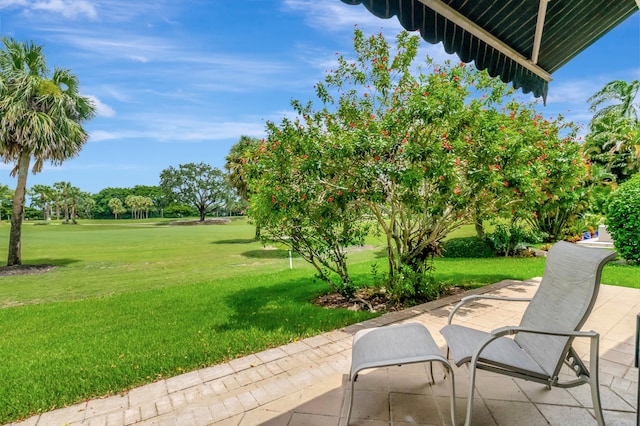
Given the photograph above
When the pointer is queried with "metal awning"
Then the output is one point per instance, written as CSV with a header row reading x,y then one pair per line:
x,y
521,41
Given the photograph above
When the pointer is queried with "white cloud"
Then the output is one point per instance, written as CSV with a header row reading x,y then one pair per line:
x,y
102,135
6,4
67,8
573,92
103,10
102,109
120,45
570,99
170,129
116,93
337,16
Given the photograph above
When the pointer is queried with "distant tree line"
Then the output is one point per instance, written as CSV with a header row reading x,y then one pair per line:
x,y
191,190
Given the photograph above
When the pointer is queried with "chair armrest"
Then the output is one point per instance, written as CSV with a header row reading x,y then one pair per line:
x,y
511,330
593,336
474,297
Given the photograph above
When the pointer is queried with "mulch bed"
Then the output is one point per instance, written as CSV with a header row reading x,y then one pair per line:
x,y
369,300
198,222
25,269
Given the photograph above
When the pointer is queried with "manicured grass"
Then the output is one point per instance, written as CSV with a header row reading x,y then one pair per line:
x,y
135,302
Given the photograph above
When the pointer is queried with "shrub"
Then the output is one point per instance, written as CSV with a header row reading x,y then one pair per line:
x,y
623,219
472,247
411,287
509,239
32,214
177,210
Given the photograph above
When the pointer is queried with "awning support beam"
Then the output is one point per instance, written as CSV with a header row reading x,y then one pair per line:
x,y
469,26
537,39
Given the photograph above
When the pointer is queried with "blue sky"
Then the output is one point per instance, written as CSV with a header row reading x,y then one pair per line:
x,y
179,81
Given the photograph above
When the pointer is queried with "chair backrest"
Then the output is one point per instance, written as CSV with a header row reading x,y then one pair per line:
x,y
563,301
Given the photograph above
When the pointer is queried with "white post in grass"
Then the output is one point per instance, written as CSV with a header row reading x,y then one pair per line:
x,y
290,260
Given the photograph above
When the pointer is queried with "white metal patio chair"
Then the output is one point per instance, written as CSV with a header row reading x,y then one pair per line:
x,y
550,323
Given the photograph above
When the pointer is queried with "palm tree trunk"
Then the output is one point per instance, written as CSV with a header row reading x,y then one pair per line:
x,y
73,209
66,208
15,236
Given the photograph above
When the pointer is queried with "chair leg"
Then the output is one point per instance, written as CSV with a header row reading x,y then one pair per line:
x,y
353,383
594,380
445,369
452,398
472,386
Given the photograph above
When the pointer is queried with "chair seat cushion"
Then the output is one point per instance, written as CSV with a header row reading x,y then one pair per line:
x,y
503,352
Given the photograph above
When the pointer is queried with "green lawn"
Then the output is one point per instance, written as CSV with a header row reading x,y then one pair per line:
x,y
136,301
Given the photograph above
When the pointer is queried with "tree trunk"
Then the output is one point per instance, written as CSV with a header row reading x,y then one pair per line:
x,y
66,209
479,229
73,209
15,235
43,203
477,221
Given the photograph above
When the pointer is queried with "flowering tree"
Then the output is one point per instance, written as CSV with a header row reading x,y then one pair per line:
x,y
435,150
300,198
522,166
420,151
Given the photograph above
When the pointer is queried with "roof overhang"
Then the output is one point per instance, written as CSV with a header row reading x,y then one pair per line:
x,y
520,41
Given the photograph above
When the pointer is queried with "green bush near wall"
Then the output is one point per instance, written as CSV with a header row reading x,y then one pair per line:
x,y
467,247
623,219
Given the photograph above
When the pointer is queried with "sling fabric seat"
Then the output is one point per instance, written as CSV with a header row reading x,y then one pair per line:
x,y
537,349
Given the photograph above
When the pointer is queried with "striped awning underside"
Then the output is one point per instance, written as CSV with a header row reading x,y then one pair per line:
x,y
521,41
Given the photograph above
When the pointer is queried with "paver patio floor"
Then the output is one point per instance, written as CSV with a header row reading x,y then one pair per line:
x,y
305,383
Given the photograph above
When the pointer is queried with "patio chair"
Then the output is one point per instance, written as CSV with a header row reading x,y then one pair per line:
x,y
550,323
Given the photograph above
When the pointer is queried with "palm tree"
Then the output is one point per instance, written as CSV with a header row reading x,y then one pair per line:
x,y
74,193
620,95
63,189
614,132
236,164
43,195
115,204
41,116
